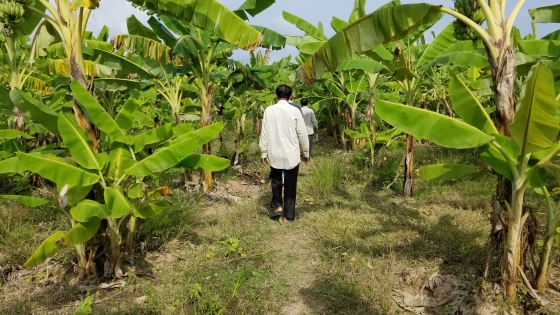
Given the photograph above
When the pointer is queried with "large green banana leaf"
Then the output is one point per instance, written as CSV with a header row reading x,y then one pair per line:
x,y
150,210
45,250
209,15
253,7
162,32
176,152
359,11
117,203
34,110
88,209
11,165
367,65
31,19
378,28
535,126
135,27
271,38
203,162
24,200
97,113
467,106
446,171
123,66
79,143
440,43
120,159
127,115
81,232
57,171
424,124
151,137
305,26
117,84
549,14
10,134
540,48
459,58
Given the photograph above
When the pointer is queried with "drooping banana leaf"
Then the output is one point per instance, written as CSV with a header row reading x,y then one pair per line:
x,y
378,28
549,14
209,15
435,127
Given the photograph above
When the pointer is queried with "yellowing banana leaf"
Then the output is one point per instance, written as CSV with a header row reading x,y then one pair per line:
x,y
203,162
467,106
79,143
446,171
535,126
9,134
88,209
549,14
424,124
45,250
120,159
143,46
127,114
175,153
57,171
81,232
117,203
24,200
97,113
209,15
378,28
35,110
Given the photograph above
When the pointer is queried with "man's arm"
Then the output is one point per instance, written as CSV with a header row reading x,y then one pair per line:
x,y
263,142
314,121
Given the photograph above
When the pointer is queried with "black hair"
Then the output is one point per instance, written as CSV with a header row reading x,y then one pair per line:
x,y
304,102
284,91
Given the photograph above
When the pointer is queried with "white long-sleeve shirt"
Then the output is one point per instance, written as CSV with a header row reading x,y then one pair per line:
x,y
283,134
310,120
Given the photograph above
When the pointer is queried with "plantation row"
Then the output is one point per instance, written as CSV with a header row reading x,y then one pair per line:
x,y
97,115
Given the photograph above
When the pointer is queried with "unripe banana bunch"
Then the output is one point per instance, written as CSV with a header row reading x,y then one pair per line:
x,y
470,9
12,12
25,2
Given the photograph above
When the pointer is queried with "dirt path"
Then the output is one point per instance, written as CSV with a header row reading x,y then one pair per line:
x,y
293,254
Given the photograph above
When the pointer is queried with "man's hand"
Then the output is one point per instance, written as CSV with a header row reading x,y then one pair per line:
x,y
264,161
306,160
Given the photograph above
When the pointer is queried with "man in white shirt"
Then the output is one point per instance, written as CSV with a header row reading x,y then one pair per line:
x,y
283,135
310,122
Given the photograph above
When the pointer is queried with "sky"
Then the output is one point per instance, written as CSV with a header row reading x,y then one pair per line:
x,y
314,11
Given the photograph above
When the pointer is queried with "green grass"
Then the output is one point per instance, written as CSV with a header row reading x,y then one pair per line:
x,y
344,255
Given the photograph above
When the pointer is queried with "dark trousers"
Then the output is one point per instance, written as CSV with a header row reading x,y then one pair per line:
x,y
290,189
310,144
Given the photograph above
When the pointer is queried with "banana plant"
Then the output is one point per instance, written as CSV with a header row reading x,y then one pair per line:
x,y
124,161
521,158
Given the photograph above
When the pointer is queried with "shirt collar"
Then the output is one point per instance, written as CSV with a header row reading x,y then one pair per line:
x,y
283,102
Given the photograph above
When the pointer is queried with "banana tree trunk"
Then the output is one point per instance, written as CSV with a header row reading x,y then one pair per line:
x,y
542,282
503,76
207,98
409,167
77,74
370,119
512,248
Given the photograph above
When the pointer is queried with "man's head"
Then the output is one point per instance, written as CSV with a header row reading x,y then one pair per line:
x,y
304,102
283,92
